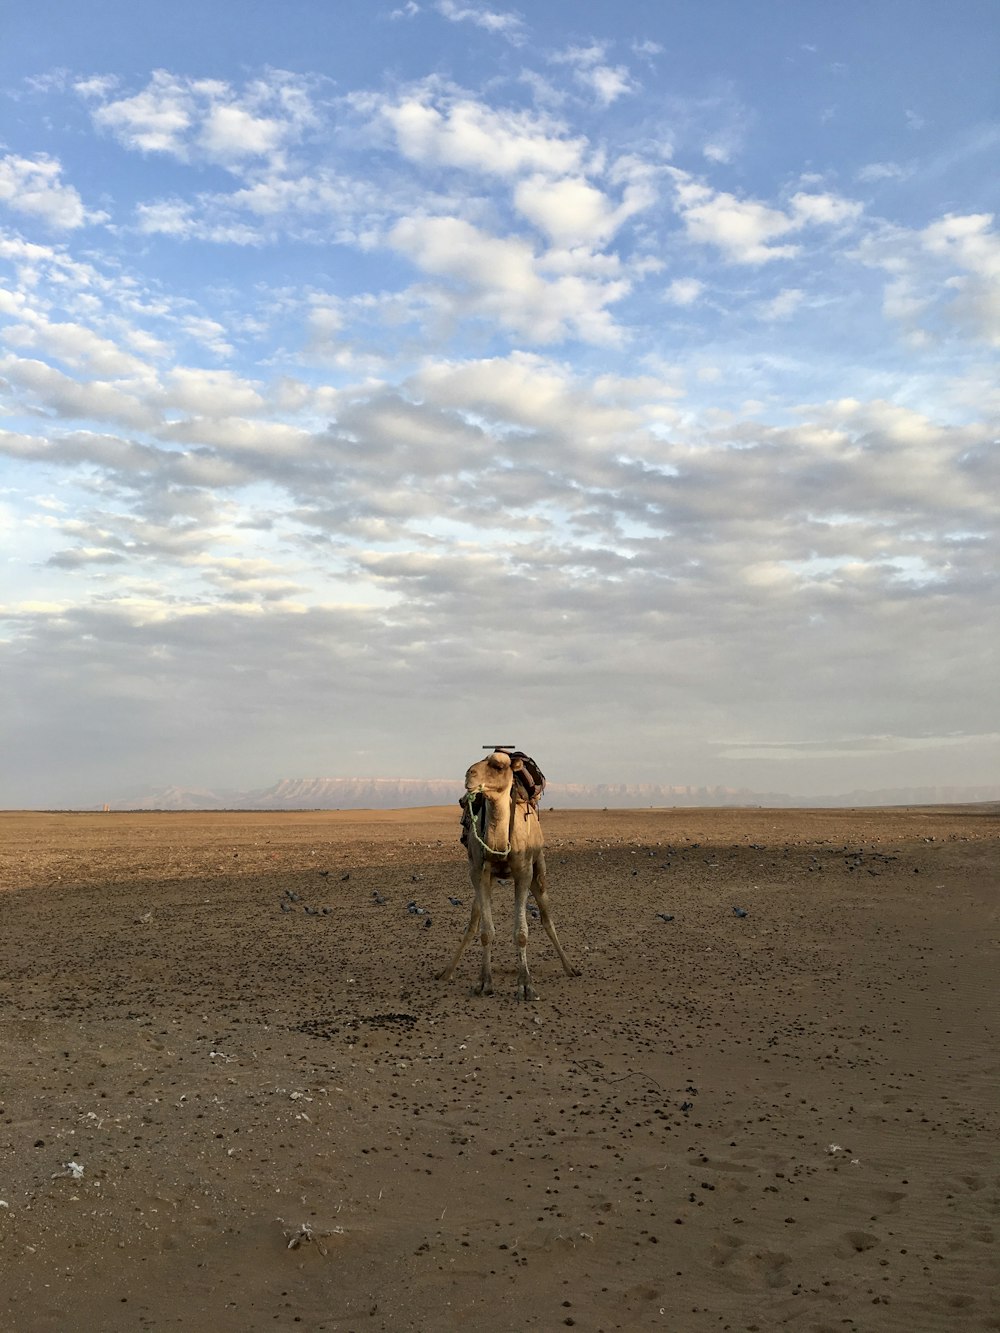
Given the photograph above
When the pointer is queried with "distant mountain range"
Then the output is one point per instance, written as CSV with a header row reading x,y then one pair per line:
x,y
401,793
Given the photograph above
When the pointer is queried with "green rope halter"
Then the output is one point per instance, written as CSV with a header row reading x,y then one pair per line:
x,y
490,851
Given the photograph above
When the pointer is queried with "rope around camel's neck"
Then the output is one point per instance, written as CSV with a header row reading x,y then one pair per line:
x,y
490,851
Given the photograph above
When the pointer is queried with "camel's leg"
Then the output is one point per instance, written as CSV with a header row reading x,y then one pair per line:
x,y
447,973
525,990
487,932
541,896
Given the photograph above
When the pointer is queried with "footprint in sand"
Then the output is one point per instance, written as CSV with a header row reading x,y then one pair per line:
x,y
766,1268
889,1200
760,1268
974,1183
645,1292
724,1249
857,1242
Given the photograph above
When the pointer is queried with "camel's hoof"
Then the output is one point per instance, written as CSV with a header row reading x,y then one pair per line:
x,y
575,972
527,993
483,988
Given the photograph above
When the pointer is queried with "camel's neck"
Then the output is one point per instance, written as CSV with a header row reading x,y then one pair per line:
x,y
498,819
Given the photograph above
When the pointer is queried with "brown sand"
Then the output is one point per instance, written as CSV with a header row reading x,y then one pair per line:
x,y
726,1123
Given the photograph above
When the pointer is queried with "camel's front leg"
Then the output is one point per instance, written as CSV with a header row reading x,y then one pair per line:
x,y
487,932
525,990
447,973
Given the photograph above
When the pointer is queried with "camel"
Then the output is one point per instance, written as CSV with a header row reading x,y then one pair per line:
x,y
505,842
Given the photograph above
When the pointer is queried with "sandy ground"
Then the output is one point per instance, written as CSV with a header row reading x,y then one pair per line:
x,y
219,1115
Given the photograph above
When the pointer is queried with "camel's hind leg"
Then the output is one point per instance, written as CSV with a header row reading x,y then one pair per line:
x,y
525,990
541,896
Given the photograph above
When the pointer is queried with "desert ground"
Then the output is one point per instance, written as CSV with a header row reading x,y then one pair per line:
x,y
225,1108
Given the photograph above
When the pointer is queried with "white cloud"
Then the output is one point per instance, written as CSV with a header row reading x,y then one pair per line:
x,y
244,580
33,186
216,219
742,229
209,332
207,120
464,133
271,441
571,211
230,133
77,346
12,303
502,22
501,278
717,151
167,217
98,85
883,171
95,400
943,279
276,206
781,306
605,82
745,231
530,393
828,210
608,82
212,393
969,241
155,120
684,291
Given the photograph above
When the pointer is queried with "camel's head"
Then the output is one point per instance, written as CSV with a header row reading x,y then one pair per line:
x,y
487,782
492,775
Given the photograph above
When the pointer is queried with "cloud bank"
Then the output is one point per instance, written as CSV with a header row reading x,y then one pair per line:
x,y
379,417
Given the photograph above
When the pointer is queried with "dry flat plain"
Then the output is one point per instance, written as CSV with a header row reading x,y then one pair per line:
x,y
216,1114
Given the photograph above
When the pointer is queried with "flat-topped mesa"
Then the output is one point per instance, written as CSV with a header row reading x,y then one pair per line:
x,y
503,835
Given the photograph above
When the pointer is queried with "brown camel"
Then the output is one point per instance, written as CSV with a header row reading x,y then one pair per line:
x,y
505,841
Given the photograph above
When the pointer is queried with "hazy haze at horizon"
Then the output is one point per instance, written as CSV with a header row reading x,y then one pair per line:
x,y
383,381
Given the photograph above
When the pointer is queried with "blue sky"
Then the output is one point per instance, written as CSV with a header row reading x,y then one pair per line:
x,y
379,378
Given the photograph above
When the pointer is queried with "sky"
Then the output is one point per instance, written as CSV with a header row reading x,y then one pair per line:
x,y
382,381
